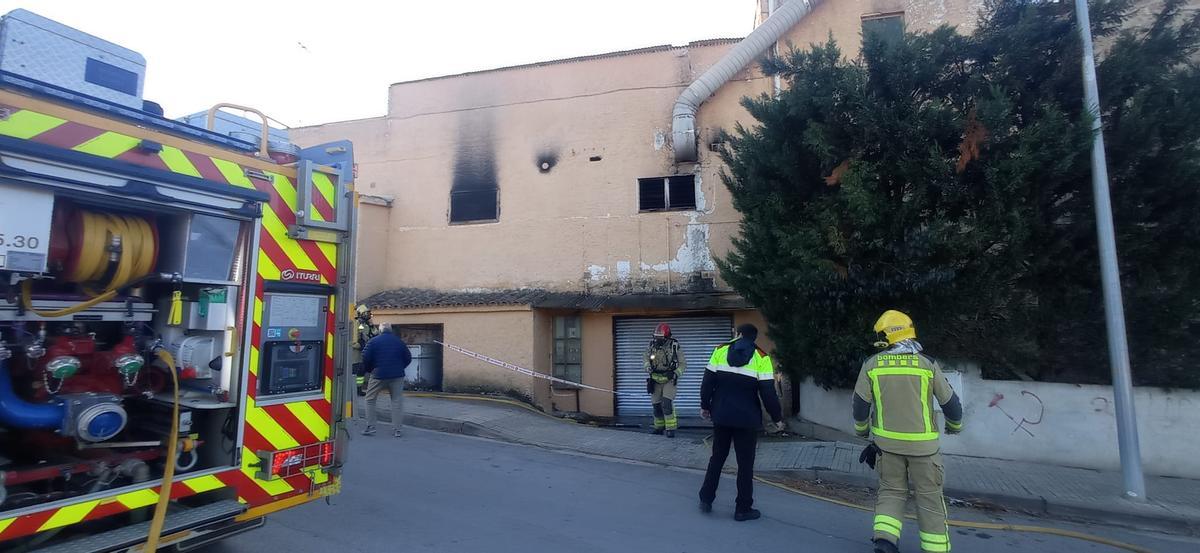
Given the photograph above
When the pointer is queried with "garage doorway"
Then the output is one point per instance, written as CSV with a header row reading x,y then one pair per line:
x,y
697,336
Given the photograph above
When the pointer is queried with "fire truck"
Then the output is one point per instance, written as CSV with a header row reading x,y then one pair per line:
x,y
175,307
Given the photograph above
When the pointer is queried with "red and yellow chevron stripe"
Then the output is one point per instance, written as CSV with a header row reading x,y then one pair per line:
x,y
91,510
267,428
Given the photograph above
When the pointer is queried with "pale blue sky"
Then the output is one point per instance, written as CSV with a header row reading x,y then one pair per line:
x,y
305,62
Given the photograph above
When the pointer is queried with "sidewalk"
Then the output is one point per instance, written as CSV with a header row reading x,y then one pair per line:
x,y
1040,489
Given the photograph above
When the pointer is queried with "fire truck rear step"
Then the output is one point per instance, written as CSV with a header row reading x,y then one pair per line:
x,y
134,534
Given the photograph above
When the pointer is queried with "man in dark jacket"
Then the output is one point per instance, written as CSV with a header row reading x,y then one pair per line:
x,y
385,358
739,382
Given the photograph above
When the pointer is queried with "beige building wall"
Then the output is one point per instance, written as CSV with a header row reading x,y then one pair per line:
x,y
843,19
543,360
581,217
371,258
506,334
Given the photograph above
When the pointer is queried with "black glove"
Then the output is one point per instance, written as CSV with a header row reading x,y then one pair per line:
x,y
650,386
869,455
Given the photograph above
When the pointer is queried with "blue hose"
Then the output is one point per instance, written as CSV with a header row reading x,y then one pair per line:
x,y
19,413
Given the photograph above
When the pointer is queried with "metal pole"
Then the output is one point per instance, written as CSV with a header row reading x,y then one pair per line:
x,y
1110,277
778,84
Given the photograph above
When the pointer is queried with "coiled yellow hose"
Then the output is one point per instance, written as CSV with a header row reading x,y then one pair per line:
x,y
100,232
132,239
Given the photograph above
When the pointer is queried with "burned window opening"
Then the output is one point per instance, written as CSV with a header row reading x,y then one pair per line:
x,y
475,190
470,206
889,27
673,193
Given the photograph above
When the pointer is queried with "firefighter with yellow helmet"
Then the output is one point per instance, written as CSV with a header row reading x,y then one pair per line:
x,y
893,402
665,363
363,332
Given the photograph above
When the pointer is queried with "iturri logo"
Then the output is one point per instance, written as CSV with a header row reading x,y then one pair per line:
x,y
296,275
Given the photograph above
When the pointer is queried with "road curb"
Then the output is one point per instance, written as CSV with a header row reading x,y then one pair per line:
x,y
448,426
1039,506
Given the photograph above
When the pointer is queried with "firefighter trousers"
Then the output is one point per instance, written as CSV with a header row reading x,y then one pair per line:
x,y
926,474
663,399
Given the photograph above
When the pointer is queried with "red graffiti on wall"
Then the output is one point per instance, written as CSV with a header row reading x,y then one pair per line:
x,y
1021,424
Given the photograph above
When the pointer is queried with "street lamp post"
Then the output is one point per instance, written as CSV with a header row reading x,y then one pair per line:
x,y
1110,277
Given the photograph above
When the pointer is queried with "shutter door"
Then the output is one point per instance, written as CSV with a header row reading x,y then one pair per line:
x,y
698,337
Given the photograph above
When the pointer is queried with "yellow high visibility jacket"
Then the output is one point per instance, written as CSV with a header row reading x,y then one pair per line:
x,y
894,400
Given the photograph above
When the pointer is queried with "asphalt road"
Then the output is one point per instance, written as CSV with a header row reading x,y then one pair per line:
x,y
445,493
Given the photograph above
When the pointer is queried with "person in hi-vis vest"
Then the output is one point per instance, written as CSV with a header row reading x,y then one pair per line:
x,y
893,403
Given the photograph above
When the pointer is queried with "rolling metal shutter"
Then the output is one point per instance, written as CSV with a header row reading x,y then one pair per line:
x,y
697,336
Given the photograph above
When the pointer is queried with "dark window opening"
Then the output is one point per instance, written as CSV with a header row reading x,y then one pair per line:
x,y
651,194
474,205
888,27
681,192
676,192
568,349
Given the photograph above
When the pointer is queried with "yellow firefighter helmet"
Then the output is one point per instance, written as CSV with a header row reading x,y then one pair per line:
x,y
896,326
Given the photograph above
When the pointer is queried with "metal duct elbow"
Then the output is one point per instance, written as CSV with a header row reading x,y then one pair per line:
x,y
683,116
19,413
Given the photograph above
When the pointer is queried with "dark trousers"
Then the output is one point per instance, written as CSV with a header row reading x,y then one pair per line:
x,y
744,441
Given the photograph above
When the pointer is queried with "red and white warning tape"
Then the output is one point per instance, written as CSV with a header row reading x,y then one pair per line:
x,y
527,372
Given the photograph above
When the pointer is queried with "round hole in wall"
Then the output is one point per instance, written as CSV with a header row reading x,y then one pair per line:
x,y
546,160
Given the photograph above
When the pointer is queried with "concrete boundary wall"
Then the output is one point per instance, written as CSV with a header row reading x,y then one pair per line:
x,y
1061,424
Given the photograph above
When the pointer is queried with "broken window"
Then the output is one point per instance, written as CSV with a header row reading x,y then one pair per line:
x,y
568,348
889,27
667,193
474,205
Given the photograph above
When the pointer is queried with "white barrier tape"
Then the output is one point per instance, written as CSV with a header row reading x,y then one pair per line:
x,y
522,370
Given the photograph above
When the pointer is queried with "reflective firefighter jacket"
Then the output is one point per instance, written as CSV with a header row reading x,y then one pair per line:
x,y
894,399
736,388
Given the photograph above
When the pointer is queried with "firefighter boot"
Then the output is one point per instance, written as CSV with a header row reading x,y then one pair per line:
x,y
660,423
884,546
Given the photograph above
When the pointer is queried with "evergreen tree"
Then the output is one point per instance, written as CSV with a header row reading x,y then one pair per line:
x,y
948,176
